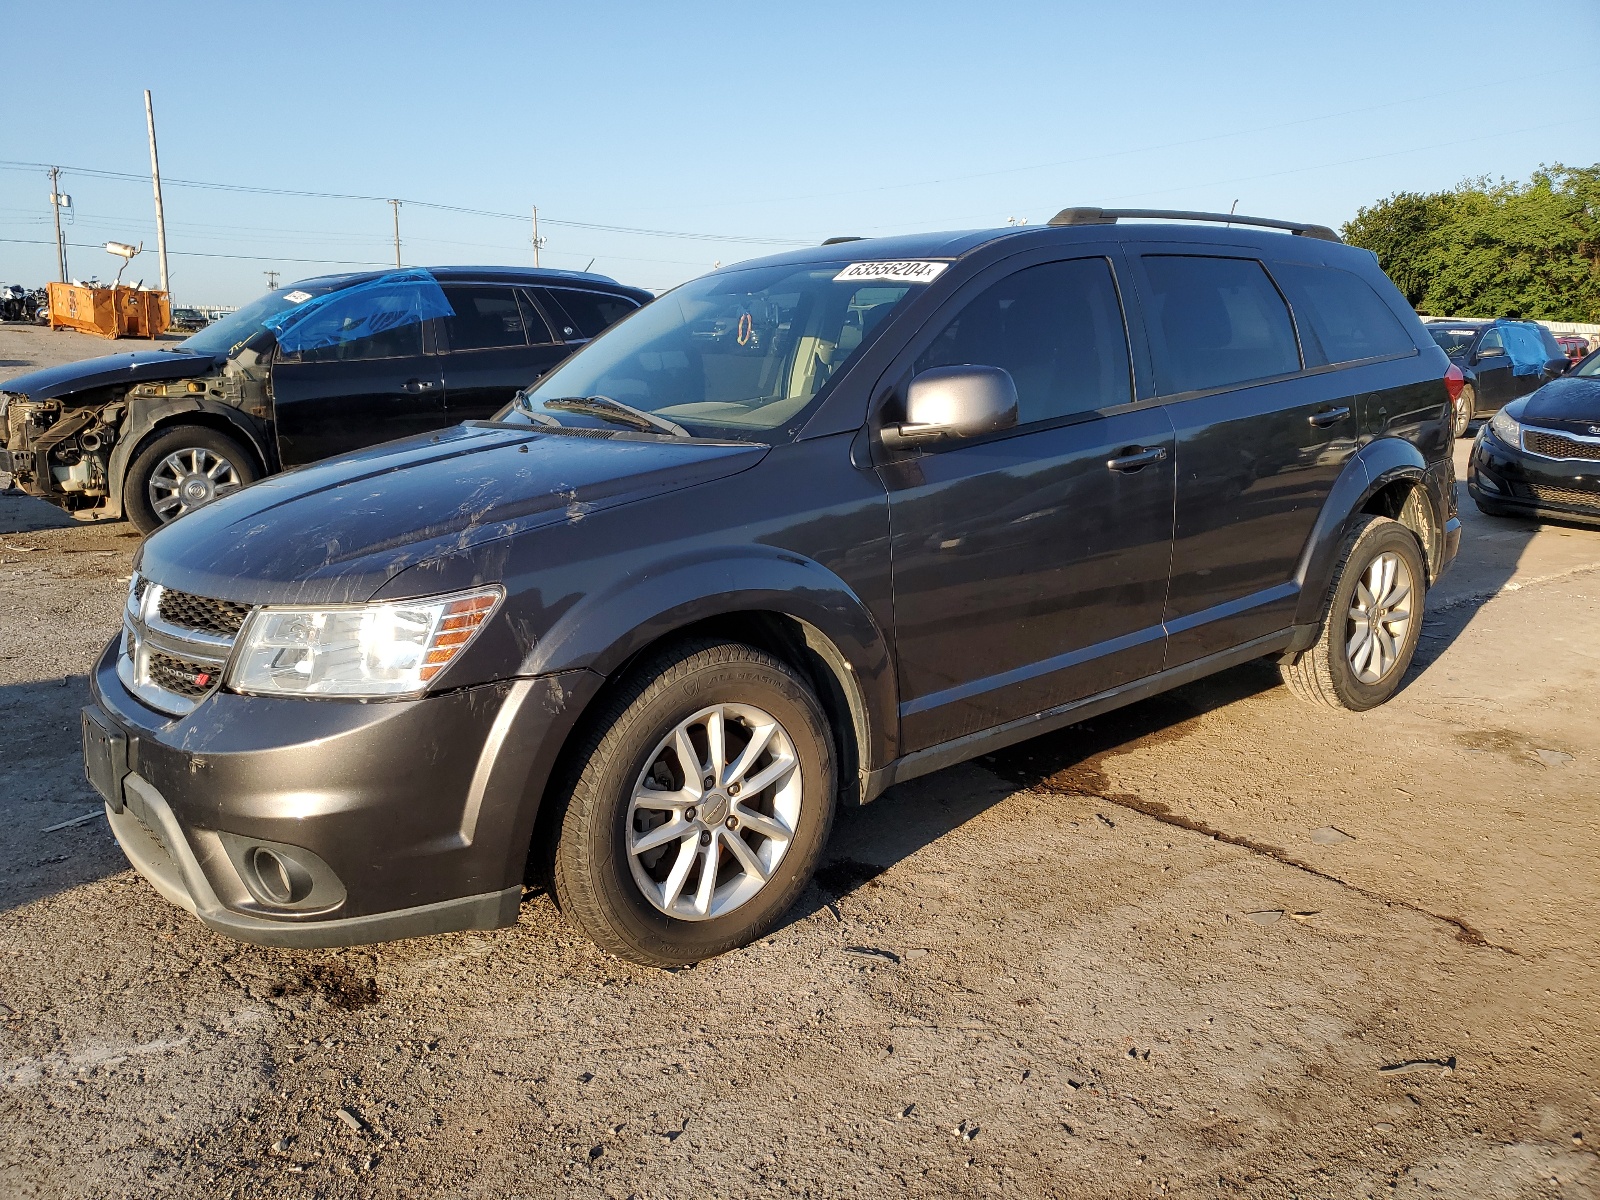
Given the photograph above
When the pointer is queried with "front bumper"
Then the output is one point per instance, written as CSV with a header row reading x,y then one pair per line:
x,y
1509,477
397,819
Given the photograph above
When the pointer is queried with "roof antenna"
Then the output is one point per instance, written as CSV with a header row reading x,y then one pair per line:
x,y
586,269
1232,208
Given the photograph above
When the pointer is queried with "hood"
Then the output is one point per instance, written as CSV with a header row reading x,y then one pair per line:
x,y
1570,404
336,531
140,366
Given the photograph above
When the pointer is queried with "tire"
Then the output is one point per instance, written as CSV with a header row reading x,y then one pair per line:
x,y
168,459
1333,673
599,882
1465,410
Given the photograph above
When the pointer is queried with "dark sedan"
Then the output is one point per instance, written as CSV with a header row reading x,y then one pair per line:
x,y
318,368
1500,360
1540,455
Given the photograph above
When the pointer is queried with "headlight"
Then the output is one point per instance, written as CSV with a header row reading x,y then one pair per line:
x,y
1504,426
393,649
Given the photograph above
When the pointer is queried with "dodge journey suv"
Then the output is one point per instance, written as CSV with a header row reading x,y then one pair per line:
x,y
797,531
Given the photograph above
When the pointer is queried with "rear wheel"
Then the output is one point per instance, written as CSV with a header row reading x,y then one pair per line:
x,y
698,807
181,470
1370,623
1465,405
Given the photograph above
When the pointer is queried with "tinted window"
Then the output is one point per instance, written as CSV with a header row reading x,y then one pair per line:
x,y
589,313
485,317
1216,322
1492,341
367,324
538,328
1056,328
1340,313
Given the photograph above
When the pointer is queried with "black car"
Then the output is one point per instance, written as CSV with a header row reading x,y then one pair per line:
x,y
1540,456
797,531
1499,361
314,369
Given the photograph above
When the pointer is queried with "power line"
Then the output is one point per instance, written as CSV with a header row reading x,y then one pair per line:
x,y
331,262
99,173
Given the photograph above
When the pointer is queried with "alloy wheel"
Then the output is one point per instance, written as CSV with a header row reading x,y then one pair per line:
x,y
714,811
1379,616
188,478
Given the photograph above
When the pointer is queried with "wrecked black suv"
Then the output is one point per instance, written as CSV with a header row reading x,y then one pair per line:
x,y
318,368
797,531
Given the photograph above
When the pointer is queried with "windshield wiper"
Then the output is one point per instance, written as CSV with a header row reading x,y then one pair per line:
x,y
614,411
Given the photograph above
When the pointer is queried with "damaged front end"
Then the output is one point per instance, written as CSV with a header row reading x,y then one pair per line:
x,y
59,449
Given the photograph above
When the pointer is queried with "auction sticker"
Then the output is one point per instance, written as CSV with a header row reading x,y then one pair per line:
x,y
297,297
906,271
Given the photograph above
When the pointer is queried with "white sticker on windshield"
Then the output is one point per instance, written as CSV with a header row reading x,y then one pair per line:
x,y
297,297
906,271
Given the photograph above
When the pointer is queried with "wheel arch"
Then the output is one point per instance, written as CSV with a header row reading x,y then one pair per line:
x,y
1387,477
144,424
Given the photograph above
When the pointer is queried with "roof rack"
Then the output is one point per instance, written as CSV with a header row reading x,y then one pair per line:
x,y
1110,216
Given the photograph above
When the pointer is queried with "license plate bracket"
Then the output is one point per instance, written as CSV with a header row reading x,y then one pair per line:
x,y
105,757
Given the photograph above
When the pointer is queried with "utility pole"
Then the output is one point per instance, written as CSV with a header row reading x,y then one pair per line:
x,y
396,204
538,242
155,182
272,280
55,210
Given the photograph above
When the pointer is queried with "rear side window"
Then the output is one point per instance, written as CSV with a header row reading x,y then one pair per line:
x,y
538,328
1056,328
1340,315
588,313
485,318
1217,322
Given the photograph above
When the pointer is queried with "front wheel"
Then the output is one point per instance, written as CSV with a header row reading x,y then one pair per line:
x,y
698,807
181,470
1371,623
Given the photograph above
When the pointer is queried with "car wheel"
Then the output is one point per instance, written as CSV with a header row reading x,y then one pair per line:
x,y
1370,623
697,808
1465,410
180,471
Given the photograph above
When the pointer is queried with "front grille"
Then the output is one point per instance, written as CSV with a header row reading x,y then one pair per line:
x,y
1556,445
1571,497
222,617
180,677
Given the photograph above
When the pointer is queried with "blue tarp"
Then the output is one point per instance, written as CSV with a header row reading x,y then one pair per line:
x,y
1525,348
387,302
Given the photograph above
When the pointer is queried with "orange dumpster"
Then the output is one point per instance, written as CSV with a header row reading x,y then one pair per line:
x,y
111,312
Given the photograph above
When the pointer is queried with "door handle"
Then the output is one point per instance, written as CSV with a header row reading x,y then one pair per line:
x,y
1331,416
418,385
1138,459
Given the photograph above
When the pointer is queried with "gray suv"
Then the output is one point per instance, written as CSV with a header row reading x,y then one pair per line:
x,y
797,531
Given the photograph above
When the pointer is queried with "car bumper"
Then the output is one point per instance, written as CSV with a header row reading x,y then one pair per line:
x,y
1511,478
290,822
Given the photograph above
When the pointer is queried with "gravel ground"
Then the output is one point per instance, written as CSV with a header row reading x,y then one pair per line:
x,y
1217,944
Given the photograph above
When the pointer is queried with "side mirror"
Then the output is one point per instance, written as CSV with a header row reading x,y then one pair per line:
x,y
1491,352
955,402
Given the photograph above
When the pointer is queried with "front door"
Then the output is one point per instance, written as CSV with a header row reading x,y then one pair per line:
x,y
1496,386
1030,566
495,344
355,372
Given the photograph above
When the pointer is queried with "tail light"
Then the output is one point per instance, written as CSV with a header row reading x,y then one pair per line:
x,y
1454,381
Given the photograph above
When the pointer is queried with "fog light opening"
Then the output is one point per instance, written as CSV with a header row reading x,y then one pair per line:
x,y
278,878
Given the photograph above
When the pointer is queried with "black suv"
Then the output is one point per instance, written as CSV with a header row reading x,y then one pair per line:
x,y
314,369
797,531
1499,361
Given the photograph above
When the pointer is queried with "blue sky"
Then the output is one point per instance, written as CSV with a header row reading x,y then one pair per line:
x,y
746,121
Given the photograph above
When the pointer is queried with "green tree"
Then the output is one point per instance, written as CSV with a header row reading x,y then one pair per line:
x,y
1488,249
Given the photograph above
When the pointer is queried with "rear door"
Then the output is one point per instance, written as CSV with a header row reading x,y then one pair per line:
x,y
494,344
355,372
1030,566
1260,442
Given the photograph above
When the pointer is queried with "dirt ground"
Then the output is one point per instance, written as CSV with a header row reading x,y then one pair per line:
x,y
1217,944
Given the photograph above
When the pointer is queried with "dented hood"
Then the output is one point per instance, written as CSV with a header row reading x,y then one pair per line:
x,y
139,366
336,531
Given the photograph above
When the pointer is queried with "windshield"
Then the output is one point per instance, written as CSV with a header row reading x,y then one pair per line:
x,y
1589,368
739,354
223,336
1452,341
